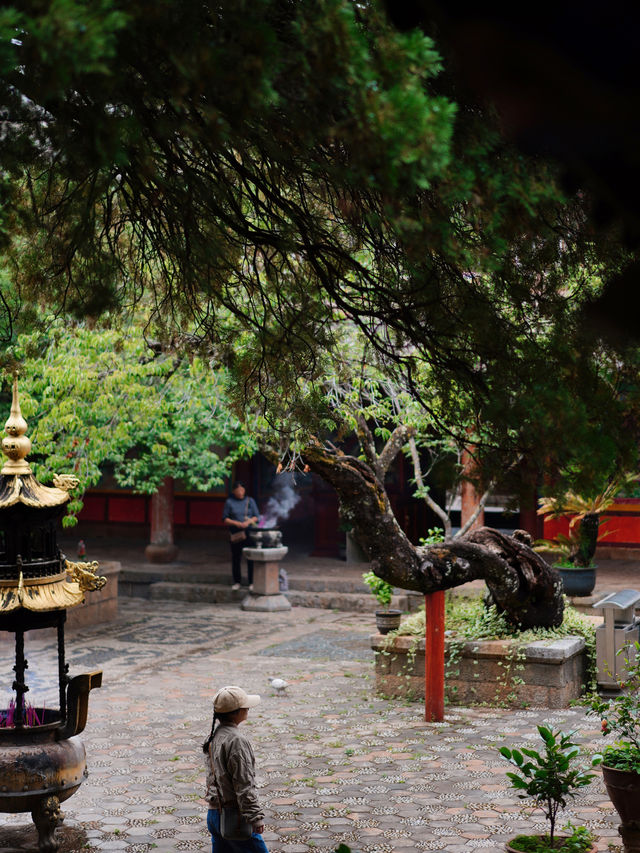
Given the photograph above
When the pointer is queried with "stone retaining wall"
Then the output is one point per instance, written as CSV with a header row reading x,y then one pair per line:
x,y
546,673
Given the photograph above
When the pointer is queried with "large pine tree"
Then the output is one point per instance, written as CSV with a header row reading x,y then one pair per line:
x,y
260,171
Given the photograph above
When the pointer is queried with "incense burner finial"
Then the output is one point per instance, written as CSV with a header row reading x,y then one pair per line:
x,y
16,445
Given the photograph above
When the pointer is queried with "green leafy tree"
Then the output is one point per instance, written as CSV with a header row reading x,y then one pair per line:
x,y
96,396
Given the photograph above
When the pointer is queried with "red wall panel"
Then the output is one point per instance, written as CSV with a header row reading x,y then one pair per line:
x,y
205,513
179,511
621,528
94,509
129,508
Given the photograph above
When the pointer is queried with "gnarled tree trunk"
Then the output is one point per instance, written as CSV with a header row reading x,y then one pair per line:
x,y
521,583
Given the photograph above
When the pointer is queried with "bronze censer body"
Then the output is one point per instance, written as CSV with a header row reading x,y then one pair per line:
x,y
42,762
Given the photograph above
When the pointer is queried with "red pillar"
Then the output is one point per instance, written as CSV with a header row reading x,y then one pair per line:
x,y
434,657
529,518
161,548
531,521
469,497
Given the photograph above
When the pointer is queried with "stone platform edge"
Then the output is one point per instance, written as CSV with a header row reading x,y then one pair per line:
x,y
548,650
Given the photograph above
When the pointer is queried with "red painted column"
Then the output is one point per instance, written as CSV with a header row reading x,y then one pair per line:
x,y
469,497
434,657
161,548
529,518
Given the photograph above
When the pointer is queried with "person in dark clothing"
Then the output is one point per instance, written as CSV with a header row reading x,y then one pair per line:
x,y
239,513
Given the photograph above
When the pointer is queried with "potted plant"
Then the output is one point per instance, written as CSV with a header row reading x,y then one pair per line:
x,y
575,552
549,779
577,571
620,715
386,619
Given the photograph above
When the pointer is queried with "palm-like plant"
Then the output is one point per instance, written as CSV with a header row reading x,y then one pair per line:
x,y
578,548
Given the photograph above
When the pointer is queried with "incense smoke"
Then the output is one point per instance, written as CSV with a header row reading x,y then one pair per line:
x,y
281,502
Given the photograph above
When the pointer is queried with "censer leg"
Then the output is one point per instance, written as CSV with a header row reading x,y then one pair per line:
x,y
63,667
46,817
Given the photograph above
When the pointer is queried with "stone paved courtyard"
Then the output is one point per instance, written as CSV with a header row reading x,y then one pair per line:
x,y
335,763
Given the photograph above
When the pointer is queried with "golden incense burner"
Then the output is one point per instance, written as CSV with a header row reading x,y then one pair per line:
x,y
42,762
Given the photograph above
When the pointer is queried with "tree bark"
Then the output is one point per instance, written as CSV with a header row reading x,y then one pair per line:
x,y
520,582
587,539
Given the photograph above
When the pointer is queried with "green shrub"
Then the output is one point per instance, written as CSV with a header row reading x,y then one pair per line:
x,y
549,779
382,590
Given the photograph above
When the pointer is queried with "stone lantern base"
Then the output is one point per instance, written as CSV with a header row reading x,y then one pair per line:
x,y
266,596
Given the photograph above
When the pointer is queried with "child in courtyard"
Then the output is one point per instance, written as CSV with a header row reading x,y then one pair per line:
x,y
230,765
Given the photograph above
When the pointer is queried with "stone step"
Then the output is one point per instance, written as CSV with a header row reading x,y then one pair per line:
x,y
198,592
132,581
327,600
336,600
319,584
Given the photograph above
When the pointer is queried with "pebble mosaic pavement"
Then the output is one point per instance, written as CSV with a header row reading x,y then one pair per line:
x,y
336,764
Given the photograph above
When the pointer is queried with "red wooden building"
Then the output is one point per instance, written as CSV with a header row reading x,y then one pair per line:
x,y
312,527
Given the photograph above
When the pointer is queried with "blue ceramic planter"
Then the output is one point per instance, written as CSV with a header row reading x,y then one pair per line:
x,y
577,581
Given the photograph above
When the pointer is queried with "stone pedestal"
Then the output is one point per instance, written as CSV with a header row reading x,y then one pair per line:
x,y
266,595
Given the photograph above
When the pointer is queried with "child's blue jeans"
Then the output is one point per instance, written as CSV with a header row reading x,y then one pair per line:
x,y
255,844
